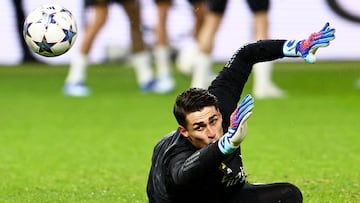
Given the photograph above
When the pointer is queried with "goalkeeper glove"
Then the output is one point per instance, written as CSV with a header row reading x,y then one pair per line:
x,y
308,47
238,126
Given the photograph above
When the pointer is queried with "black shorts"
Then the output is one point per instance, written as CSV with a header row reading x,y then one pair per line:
x,y
216,6
103,2
170,1
219,6
260,193
258,5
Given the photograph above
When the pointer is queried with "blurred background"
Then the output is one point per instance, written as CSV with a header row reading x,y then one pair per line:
x,y
288,19
55,148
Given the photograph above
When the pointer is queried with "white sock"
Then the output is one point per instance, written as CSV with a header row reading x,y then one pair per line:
x,y
142,65
162,60
186,57
262,75
78,68
202,70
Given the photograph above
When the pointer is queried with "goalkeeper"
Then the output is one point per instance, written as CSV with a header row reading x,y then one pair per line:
x,y
201,161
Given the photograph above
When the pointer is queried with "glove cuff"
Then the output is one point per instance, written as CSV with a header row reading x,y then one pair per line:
x,y
290,48
225,145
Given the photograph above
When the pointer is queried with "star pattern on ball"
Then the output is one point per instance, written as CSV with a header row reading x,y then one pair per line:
x,y
51,18
69,34
26,29
44,46
66,11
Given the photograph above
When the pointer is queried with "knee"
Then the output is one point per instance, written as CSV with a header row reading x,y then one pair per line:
x,y
294,193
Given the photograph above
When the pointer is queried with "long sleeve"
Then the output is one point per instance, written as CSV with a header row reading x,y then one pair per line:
x,y
195,166
230,82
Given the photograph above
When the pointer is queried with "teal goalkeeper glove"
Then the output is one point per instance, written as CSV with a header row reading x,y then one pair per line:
x,y
308,47
238,126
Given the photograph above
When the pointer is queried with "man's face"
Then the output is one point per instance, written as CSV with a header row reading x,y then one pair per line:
x,y
203,127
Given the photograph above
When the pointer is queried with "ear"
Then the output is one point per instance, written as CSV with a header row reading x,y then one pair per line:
x,y
183,131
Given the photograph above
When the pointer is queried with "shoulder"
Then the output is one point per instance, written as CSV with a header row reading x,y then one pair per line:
x,y
171,140
172,144
167,140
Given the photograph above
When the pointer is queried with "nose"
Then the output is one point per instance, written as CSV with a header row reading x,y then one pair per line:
x,y
210,132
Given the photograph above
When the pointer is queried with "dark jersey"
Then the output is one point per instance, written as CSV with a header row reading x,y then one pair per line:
x,y
182,173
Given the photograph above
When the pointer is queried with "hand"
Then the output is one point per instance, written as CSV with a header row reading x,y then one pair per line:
x,y
238,126
241,131
308,47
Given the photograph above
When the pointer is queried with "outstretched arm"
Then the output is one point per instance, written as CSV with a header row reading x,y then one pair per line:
x,y
228,87
230,82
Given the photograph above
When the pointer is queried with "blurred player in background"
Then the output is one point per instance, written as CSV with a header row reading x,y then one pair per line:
x,y
263,86
140,59
162,50
357,84
27,55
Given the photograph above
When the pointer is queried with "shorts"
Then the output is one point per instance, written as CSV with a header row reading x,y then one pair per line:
x,y
273,192
102,2
170,1
258,5
219,6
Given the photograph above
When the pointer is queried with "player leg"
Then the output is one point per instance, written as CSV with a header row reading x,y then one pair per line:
x,y
140,57
202,72
357,83
263,86
75,80
267,193
20,18
186,55
165,83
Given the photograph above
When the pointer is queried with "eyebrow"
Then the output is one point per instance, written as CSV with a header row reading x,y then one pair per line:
x,y
202,123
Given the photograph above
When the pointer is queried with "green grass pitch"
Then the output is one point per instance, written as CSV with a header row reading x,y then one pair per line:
x,y
97,149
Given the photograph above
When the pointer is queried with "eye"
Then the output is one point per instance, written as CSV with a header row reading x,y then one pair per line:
x,y
199,128
213,121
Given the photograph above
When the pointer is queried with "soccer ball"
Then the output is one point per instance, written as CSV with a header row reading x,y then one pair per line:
x,y
50,30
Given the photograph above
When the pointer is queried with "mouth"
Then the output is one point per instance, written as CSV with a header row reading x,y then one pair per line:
x,y
212,139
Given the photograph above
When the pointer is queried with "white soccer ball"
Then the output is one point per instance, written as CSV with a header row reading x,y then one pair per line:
x,y
50,30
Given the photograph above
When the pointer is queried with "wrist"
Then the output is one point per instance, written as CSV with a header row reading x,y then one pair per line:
x,y
290,48
225,145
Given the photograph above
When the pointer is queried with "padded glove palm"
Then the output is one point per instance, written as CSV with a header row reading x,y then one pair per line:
x,y
238,126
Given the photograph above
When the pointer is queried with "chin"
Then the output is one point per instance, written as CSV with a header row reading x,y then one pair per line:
x,y
212,141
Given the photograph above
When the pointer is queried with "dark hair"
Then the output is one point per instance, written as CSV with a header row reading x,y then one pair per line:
x,y
191,100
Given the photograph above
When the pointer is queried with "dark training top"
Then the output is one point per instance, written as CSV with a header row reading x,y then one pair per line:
x,y
182,173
